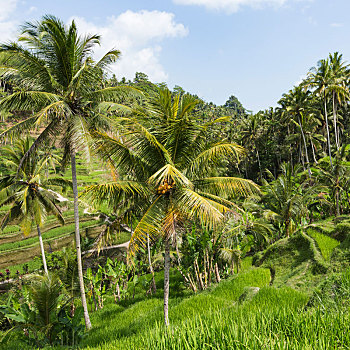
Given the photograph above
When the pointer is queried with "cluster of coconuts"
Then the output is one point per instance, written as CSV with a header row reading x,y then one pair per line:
x,y
164,188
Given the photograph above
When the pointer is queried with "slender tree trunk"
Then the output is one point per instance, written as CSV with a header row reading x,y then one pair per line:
x,y
313,151
306,153
166,280
327,128
290,148
77,242
257,154
335,121
301,157
217,274
154,288
42,249
118,292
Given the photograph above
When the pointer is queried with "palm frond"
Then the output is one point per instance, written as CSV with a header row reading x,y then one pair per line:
x,y
227,186
195,206
150,224
114,94
50,131
19,128
28,100
112,192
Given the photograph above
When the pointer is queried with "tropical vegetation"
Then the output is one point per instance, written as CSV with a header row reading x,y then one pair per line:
x,y
195,226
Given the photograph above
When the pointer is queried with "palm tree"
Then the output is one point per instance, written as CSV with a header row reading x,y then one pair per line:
x,y
336,178
297,103
28,195
168,159
250,134
287,198
338,87
320,79
60,82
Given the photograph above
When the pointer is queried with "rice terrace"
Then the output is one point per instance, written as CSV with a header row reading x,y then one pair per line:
x,y
137,214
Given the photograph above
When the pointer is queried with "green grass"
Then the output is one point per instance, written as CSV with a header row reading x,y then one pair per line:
x,y
33,265
295,262
52,234
276,318
273,319
325,243
15,232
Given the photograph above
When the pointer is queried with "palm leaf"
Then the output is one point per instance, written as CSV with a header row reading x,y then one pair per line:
x,y
230,186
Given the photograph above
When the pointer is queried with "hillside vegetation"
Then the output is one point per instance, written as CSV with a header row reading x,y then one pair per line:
x,y
133,216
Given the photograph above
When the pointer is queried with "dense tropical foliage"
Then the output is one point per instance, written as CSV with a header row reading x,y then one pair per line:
x,y
189,195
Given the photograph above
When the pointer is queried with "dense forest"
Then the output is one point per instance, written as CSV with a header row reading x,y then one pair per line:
x,y
136,216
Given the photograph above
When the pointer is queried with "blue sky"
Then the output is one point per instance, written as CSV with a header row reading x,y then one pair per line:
x,y
254,49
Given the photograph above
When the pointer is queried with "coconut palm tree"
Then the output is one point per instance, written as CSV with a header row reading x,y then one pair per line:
x,y
297,104
320,79
336,178
288,197
250,133
52,67
168,159
338,87
28,193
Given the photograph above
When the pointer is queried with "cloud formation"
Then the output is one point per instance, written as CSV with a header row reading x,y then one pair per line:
x,y
138,35
230,6
7,25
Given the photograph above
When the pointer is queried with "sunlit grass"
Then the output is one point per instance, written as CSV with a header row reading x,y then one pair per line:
x,y
325,243
52,234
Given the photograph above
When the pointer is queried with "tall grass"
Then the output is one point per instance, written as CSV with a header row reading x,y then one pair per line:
x,y
216,319
325,243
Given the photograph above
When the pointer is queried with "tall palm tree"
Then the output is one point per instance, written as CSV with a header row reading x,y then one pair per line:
x,y
58,80
168,159
338,87
320,79
298,103
28,193
250,134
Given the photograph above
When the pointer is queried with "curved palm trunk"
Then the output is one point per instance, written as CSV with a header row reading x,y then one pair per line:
x,y
42,249
77,242
327,127
313,151
166,280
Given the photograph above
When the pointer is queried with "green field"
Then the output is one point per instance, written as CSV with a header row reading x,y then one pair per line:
x,y
275,318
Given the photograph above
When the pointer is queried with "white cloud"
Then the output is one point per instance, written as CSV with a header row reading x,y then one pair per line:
x,y
7,7
138,35
230,6
337,25
7,25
